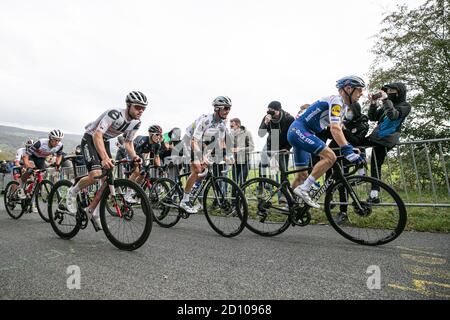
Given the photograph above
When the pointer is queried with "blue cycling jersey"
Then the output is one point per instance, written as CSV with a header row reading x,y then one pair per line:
x,y
321,113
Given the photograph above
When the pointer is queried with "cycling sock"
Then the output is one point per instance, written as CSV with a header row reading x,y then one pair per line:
x,y
186,197
374,193
74,190
310,181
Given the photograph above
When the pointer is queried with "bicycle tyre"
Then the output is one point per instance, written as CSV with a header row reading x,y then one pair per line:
x,y
146,210
10,204
43,208
56,217
343,229
162,217
240,208
260,225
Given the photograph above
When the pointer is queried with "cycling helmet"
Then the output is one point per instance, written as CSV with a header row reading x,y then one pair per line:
x,y
56,134
352,81
155,129
137,97
220,102
29,143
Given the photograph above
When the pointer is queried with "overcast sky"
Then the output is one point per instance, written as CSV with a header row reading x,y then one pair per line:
x,y
62,63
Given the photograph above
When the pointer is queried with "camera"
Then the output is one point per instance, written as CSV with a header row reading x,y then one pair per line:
x,y
271,112
377,95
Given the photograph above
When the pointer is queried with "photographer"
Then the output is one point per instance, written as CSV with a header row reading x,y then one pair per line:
x,y
276,124
389,108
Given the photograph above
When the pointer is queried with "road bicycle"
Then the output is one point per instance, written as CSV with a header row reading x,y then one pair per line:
x,y
220,198
36,189
126,225
366,222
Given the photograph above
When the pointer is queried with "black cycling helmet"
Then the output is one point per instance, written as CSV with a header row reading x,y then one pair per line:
x,y
155,129
136,97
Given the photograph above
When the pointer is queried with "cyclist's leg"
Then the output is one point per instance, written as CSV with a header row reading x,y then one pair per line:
x,y
301,158
93,164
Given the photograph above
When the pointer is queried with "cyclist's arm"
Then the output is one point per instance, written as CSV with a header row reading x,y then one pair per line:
x,y
338,135
26,161
97,137
129,147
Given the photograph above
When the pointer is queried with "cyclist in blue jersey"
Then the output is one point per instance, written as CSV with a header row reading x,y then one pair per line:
x,y
326,112
147,147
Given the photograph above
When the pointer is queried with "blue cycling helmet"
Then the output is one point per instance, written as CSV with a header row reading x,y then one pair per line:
x,y
352,81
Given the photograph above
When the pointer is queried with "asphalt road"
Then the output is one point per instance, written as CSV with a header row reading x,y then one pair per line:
x,y
191,261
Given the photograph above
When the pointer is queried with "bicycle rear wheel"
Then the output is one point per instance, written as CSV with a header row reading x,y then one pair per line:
x,y
129,226
64,223
225,206
13,205
164,196
267,215
42,193
373,223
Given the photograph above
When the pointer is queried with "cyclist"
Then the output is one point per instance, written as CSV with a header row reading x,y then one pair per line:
x,y
19,157
205,130
146,147
95,143
40,150
328,111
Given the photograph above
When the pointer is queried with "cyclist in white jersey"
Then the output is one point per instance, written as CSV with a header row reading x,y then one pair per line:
x,y
206,130
95,143
328,111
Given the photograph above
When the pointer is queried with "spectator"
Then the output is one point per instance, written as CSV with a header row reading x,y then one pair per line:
x,y
355,128
120,155
276,124
171,152
242,145
390,116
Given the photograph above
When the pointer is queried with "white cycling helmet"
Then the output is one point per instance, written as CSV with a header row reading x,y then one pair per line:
x,y
29,143
221,101
136,97
56,134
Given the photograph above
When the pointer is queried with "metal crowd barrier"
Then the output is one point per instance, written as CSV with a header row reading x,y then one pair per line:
x,y
418,170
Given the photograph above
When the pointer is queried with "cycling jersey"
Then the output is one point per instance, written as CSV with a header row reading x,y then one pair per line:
x,y
206,129
41,149
322,113
142,145
19,154
113,123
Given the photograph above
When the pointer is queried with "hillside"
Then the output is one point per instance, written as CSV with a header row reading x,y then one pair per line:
x,y
12,138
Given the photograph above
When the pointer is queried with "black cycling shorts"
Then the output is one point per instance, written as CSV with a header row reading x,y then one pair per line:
x,y
38,162
90,154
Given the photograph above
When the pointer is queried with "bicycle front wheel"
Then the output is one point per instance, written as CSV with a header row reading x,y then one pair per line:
x,y
225,206
42,193
129,225
164,196
357,218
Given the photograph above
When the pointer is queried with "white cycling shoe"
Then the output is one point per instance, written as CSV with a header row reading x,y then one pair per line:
x,y
306,197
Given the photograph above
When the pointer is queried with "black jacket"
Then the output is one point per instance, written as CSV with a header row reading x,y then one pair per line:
x,y
354,130
281,124
390,117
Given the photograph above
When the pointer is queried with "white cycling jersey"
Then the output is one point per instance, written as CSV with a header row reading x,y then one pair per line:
x,y
206,127
41,149
20,153
112,123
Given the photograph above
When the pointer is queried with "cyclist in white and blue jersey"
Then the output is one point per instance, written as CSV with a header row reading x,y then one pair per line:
x,y
326,112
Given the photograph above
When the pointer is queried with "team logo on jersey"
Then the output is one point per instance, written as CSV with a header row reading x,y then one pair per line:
x,y
114,114
336,110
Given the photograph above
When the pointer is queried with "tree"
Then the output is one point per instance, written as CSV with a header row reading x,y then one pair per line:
x,y
413,47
